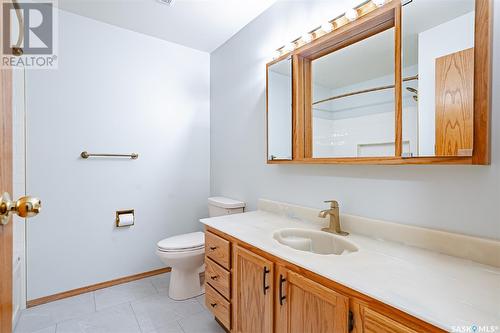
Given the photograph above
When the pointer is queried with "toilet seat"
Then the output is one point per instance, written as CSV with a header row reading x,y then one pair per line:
x,y
183,243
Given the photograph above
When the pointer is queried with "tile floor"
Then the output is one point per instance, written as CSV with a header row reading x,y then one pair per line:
x,y
140,306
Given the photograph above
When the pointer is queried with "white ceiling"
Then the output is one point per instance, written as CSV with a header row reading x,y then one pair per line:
x,y
199,24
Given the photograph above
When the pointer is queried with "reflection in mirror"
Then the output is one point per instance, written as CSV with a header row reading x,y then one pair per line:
x,y
438,45
353,104
279,110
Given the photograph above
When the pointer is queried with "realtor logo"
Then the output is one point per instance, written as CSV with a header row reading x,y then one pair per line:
x,y
28,38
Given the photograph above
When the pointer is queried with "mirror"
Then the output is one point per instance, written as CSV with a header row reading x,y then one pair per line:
x,y
279,110
353,100
438,46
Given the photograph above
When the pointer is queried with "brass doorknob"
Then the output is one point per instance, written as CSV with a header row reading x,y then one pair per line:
x,y
25,207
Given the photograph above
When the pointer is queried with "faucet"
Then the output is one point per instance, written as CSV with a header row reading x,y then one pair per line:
x,y
334,227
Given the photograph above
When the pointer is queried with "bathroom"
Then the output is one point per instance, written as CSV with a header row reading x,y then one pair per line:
x,y
181,159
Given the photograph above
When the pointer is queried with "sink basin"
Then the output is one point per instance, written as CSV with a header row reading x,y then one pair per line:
x,y
314,241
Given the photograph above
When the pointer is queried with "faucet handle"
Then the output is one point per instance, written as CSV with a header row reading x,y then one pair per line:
x,y
334,203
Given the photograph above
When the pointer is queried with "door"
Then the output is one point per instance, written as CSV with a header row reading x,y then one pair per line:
x,y
24,207
253,292
5,186
308,307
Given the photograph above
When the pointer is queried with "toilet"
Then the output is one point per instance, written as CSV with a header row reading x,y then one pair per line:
x,y
185,253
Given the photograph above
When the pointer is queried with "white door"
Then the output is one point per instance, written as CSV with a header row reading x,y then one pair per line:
x,y
19,190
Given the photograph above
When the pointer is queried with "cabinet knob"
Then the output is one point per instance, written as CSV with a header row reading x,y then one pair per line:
x,y
213,304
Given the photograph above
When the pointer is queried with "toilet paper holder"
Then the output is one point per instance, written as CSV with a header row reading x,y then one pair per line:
x,y
124,212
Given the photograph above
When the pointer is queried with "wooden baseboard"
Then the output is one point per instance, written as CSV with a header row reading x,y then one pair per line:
x,y
94,287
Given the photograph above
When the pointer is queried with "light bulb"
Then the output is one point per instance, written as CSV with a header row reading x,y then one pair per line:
x,y
351,14
379,3
306,38
289,47
326,27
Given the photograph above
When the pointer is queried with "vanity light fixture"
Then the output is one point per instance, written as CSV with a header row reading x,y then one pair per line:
x,y
326,27
306,38
351,14
289,47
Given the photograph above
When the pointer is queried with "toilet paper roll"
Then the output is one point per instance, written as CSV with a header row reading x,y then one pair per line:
x,y
125,220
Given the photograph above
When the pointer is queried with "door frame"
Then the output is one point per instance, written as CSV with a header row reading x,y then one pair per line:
x,y
6,175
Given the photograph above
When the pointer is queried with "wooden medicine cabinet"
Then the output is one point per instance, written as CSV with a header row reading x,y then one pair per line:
x,y
405,82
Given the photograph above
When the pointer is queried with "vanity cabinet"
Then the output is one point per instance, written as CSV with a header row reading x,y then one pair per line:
x,y
251,291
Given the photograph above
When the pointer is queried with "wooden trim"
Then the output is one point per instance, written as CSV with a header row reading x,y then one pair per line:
x,y
361,299
481,154
94,287
297,107
382,160
6,186
398,77
307,109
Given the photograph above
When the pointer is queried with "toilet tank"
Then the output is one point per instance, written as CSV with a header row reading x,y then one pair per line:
x,y
218,206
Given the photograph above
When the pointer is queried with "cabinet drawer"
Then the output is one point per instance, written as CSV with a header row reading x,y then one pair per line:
x,y
219,307
218,277
217,249
374,322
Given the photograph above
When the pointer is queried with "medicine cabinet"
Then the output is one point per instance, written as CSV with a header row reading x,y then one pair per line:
x,y
402,82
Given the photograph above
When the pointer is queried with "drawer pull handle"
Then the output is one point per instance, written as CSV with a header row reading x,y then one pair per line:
x,y
213,248
213,304
265,272
281,296
214,277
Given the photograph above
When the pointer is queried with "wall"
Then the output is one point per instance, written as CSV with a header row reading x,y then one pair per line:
x,y
447,38
114,91
463,199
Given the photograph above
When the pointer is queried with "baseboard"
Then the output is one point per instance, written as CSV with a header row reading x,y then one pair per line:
x,y
94,287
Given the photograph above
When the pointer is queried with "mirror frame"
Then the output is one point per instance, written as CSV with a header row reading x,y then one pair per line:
x,y
371,21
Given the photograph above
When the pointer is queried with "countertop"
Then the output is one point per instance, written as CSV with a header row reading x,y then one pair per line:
x,y
448,292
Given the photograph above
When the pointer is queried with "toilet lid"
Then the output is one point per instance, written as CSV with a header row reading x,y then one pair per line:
x,y
191,241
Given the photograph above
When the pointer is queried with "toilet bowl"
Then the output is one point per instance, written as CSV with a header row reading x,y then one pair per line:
x,y
185,253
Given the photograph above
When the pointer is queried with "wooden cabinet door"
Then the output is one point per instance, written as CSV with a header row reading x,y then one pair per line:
x,y
310,307
455,104
252,292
